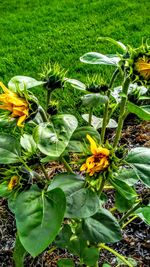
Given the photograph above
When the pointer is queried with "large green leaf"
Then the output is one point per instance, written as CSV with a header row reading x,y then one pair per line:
x,y
139,159
129,176
68,182
37,218
141,112
122,204
81,132
52,138
97,58
102,227
97,122
28,143
76,84
82,203
10,151
123,189
144,214
93,100
23,82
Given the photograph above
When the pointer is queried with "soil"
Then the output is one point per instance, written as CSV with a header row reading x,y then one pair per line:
x,y
136,236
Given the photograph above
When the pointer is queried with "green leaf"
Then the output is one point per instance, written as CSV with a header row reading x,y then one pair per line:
x,y
69,183
97,58
52,138
19,253
97,122
139,159
28,143
122,204
102,227
23,82
10,151
141,112
65,263
64,236
106,265
82,203
37,218
90,256
93,100
76,84
144,214
76,146
129,176
124,189
81,132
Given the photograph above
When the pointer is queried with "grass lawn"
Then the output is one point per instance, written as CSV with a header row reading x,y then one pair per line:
x,y
34,32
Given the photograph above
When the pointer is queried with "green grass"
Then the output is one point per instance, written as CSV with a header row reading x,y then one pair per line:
x,y
34,32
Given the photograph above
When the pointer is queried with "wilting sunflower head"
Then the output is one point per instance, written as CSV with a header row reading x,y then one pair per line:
x,y
54,76
96,84
12,102
98,161
13,182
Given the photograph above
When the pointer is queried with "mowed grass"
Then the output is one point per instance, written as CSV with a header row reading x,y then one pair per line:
x,y
33,33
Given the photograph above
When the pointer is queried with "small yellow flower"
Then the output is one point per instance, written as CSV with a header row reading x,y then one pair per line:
x,y
143,67
99,161
18,107
13,182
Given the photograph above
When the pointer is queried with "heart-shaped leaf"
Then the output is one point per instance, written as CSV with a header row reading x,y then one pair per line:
x,y
37,218
102,227
97,122
10,150
52,138
76,84
97,58
93,100
144,214
139,159
141,112
28,143
23,82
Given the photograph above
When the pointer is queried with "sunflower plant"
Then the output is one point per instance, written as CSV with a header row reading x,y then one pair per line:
x,y
70,209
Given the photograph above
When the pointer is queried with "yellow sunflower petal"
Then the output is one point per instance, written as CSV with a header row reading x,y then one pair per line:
x,y
93,145
21,120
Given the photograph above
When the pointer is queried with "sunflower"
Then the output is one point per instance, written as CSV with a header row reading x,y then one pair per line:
x,y
18,106
99,161
142,66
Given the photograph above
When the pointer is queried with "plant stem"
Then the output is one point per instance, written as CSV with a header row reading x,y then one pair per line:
x,y
44,171
101,187
43,114
90,115
129,212
129,221
105,117
121,257
122,111
68,168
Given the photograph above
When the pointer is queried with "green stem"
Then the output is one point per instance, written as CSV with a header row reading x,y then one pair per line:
x,y
68,168
122,111
101,187
121,257
44,171
90,115
129,212
43,114
129,221
105,117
